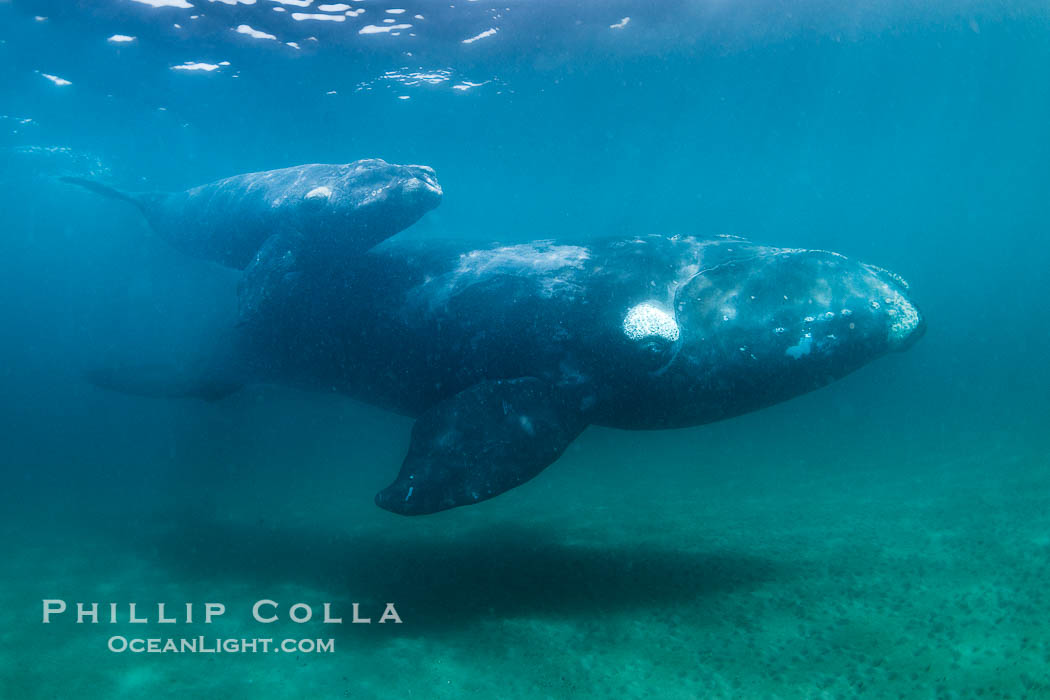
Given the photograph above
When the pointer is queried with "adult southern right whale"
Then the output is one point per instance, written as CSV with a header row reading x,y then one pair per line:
x,y
506,352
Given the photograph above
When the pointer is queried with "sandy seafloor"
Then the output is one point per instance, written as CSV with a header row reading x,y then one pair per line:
x,y
792,553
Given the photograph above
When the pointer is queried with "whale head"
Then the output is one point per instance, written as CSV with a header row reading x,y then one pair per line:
x,y
389,189
764,327
371,200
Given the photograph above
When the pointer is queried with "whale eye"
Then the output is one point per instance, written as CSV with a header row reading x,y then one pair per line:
x,y
654,347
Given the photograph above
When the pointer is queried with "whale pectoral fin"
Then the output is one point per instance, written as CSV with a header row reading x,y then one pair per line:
x,y
481,442
270,277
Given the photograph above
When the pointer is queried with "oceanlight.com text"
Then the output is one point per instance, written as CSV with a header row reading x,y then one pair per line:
x,y
218,645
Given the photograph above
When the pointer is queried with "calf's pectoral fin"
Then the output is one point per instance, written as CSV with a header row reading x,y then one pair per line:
x,y
481,442
270,278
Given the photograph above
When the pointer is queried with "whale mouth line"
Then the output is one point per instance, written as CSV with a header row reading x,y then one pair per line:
x,y
424,184
431,184
423,176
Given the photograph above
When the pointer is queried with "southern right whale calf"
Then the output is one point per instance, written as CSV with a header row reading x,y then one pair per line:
x,y
286,222
348,207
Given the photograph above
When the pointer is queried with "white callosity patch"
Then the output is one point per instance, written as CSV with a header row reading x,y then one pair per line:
x,y
646,320
321,192
904,318
892,275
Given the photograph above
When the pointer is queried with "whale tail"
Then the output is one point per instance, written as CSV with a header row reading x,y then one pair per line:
x,y
105,191
161,381
210,373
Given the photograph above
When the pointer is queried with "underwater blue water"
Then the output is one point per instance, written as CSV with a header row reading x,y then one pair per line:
x,y
914,136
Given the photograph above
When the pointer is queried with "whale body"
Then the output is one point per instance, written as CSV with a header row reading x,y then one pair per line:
x,y
341,209
505,352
